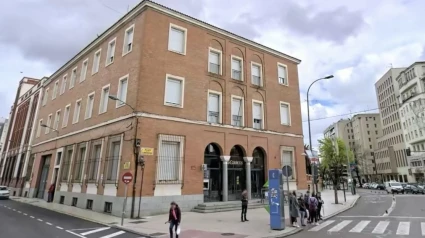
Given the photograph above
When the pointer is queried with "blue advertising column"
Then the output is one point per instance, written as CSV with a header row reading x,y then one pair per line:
x,y
276,200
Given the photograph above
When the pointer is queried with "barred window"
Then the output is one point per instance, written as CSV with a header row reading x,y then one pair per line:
x,y
79,163
66,165
170,158
112,161
29,168
93,162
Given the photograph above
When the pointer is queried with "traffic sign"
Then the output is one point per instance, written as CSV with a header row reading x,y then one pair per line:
x,y
287,171
127,177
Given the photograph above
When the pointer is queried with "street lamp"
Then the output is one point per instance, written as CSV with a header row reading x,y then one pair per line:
x,y
308,117
46,126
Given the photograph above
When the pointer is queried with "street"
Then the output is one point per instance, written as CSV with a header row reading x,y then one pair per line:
x,y
21,220
368,218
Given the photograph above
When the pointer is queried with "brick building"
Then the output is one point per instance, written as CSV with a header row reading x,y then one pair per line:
x,y
208,108
17,146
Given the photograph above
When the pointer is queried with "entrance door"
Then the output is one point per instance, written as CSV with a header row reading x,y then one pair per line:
x,y
257,172
43,178
236,174
212,174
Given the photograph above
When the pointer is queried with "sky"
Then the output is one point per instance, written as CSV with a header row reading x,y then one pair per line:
x,y
356,41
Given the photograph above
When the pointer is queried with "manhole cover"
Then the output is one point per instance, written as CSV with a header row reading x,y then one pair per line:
x,y
227,234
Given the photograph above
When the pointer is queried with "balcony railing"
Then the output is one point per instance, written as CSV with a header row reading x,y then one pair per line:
x,y
236,120
213,117
257,124
169,169
236,74
256,80
92,169
282,80
214,68
111,169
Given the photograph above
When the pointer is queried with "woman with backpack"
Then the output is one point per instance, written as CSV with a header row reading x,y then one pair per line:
x,y
302,210
312,208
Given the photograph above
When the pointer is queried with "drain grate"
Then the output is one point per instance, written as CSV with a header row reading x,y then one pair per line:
x,y
227,234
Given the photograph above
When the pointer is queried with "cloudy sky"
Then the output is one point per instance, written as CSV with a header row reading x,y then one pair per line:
x,y
357,41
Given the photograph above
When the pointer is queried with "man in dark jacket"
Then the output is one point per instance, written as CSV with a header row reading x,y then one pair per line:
x,y
174,218
244,205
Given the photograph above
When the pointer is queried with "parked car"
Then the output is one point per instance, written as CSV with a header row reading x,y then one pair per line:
x,y
365,185
421,189
380,186
410,188
394,187
4,192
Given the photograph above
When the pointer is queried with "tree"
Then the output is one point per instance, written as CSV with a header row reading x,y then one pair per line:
x,y
334,158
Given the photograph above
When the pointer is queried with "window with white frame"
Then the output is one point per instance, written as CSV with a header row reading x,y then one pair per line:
x,y
83,73
256,74
288,160
282,74
63,86
257,114
89,106
39,127
48,124
55,89
57,119
113,160
214,107
170,159
73,78
214,61
285,114
79,162
96,61
77,110
237,68
128,40
237,111
104,99
122,91
177,39
66,165
94,161
111,52
45,97
174,91
66,115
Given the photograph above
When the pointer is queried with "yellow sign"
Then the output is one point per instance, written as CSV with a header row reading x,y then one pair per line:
x,y
146,151
127,165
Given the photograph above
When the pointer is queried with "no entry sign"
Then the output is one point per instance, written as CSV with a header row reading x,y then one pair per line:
x,y
127,177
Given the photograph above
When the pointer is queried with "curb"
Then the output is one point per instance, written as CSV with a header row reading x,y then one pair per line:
x,y
286,234
131,231
343,210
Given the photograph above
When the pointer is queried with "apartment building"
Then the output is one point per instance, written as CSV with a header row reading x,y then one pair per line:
x,y
390,155
367,129
17,148
203,106
4,125
342,129
411,83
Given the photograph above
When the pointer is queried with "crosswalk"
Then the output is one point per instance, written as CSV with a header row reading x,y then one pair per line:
x,y
402,228
100,232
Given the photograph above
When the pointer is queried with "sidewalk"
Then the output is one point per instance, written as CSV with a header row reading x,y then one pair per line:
x,y
209,225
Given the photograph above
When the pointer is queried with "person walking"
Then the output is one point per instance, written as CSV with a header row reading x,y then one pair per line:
x,y
302,210
306,204
244,205
319,206
174,218
51,192
293,209
312,208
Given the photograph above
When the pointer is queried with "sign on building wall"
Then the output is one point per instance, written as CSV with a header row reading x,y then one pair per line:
x,y
146,151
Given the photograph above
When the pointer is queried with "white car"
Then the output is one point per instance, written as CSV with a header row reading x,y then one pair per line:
x,y
4,192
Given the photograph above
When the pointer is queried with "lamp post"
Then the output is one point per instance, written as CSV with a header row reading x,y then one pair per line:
x,y
136,160
308,119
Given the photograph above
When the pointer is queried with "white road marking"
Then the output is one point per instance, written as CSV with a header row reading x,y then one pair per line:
x,y
85,229
25,214
403,228
399,217
360,226
94,231
60,228
75,234
114,234
48,223
39,220
32,217
391,208
340,226
19,212
423,228
380,228
321,226
14,210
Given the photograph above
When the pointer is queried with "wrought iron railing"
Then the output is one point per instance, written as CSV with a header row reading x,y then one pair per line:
x,y
65,170
92,169
110,170
169,170
78,170
237,120
213,117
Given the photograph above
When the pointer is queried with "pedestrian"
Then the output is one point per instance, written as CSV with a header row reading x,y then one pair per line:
x,y
312,207
174,218
244,205
306,204
51,192
319,206
293,209
302,210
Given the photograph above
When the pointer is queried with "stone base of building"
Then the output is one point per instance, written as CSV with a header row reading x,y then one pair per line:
x,y
15,191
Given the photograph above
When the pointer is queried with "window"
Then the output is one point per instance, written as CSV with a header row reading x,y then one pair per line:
x,y
96,61
128,40
122,91
285,115
89,106
112,161
104,99
174,91
214,61
177,39
237,68
57,119
84,68
256,74
288,160
237,111
111,52
66,115
214,107
170,159
282,72
73,78
55,89
79,163
74,202
77,110
66,164
108,207
257,114
48,124
46,96
39,127
94,161
89,205
63,86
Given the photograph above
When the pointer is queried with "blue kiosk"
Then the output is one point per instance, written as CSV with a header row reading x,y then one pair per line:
x,y
276,200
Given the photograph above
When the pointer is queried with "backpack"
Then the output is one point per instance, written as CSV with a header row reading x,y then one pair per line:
x,y
312,204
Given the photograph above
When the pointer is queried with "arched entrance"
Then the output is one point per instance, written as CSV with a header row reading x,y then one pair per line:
x,y
257,172
236,173
212,174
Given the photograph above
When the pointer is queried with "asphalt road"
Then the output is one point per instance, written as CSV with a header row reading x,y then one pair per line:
x,y
405,217
20,220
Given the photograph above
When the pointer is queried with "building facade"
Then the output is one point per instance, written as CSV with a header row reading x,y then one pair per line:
x,y
17,148
3,133
390,155
411,83
342,129
195,113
